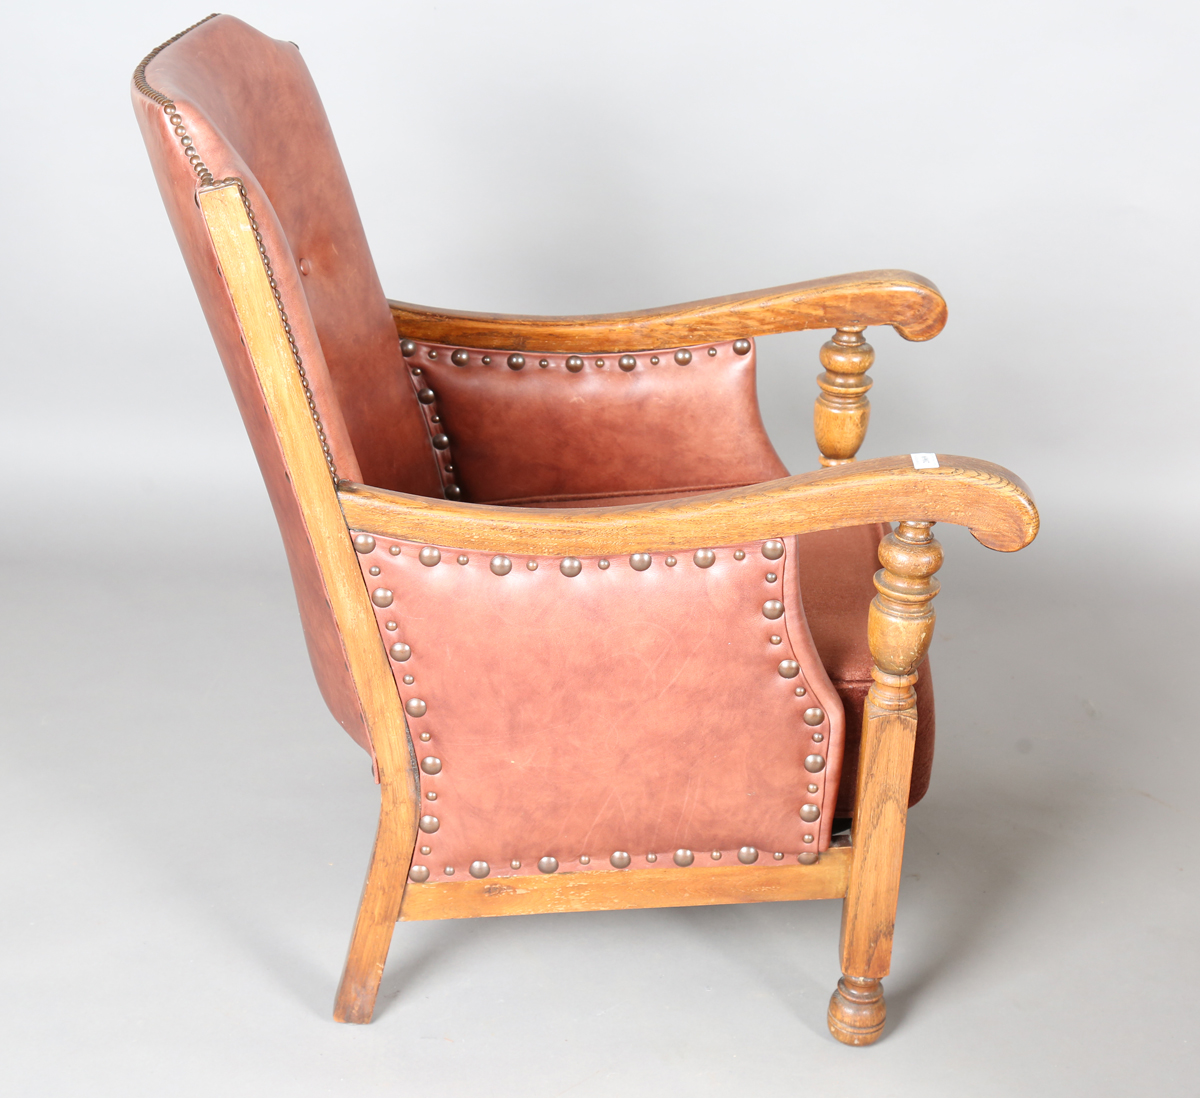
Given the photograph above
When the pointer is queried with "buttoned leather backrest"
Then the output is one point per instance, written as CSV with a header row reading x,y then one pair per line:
x,y
251,108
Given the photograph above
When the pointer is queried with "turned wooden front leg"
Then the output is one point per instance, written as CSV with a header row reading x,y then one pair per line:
x,y
899,629
842,410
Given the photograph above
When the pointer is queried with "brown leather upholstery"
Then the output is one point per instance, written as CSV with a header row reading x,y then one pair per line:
x,y
543,436
616,709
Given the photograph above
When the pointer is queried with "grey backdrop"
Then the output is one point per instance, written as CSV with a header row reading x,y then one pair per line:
x,y
184,829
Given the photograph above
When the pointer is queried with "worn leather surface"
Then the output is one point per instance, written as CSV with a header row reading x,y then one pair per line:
x,y
616,710
547,435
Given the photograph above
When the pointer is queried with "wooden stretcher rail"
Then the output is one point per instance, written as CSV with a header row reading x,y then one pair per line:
x,y
631,888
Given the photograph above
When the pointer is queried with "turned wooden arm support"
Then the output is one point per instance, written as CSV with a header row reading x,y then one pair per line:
x,y
990,501
908,302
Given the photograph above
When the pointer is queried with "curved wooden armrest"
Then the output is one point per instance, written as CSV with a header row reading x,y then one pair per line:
x,y
990,501
909,303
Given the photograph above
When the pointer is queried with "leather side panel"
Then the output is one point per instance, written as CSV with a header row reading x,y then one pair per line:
x,y
177,183
574,716
547,433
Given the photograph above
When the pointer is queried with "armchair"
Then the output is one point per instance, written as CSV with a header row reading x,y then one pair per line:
x,y
602,650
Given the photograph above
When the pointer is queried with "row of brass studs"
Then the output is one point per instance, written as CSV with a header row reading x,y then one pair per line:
x,y
206,180
814,716
574,363
619,859
427,399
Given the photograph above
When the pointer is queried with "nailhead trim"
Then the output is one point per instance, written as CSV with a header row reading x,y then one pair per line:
x,y
448,556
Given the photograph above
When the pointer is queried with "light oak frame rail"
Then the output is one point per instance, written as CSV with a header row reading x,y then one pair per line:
x,y
991,502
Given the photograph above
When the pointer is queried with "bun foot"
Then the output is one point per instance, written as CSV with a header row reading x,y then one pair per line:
x,y
857,1010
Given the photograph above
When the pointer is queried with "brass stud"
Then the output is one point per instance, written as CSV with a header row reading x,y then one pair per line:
x,y
813,787
400,651
548,864
716,855
460,358
810,813
599,364
435,419
407,348
814,716
602,563
814,764
515,864
809,857
776,639
418,874
417,371
584,860
771,577
364,543
374,569
627,362
739,554
463,558
449,871
432,353
712,352
426,850
620,859
452,491
391,626
574,364
429,824
652,858
431,796
394,550
431,765
381,597
670,562
441,442
500,565
772,549
531,565
487,360
747,855
741,346
429,556
704,558
543,363
808,838
639,562
684,857
415,707
654,360
427,396
409,680
772,609
479,870
817,737
683,357
570,566
516,362
425,736
778,855
789,669
800,691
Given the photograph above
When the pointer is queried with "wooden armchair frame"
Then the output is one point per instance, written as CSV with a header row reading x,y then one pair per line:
x,y
991,502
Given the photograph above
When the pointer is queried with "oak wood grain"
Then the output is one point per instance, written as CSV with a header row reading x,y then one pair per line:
x,y
267,344
632,888
909,303
992,502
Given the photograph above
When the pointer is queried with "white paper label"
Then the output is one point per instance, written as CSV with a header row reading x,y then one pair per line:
x,y
924,461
